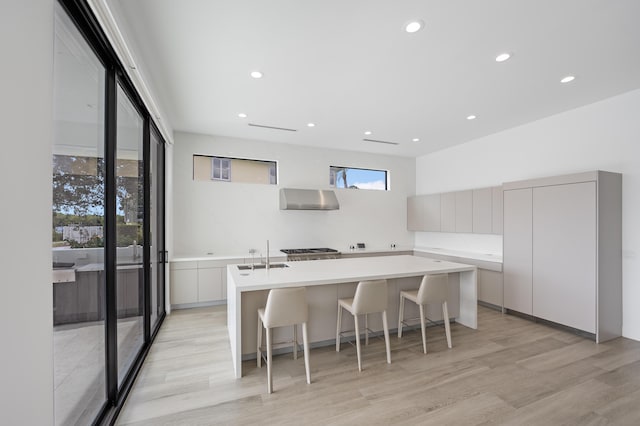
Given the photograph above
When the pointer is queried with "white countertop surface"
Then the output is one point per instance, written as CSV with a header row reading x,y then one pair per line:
x,y
487,257
224,256
318,272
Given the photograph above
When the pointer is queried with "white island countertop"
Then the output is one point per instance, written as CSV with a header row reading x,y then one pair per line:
x,y
246,291
332,271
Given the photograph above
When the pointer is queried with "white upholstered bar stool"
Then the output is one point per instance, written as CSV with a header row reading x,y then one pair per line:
x,y
285,307
370,297
433,289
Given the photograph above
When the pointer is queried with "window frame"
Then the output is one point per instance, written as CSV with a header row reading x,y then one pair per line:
x,y
333,177
220,168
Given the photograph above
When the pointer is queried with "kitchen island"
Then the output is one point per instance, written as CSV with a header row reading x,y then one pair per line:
x,y
328,280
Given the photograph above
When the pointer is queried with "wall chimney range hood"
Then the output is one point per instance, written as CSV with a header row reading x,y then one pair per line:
x,y
308,199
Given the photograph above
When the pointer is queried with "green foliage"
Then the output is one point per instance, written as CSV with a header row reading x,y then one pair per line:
x,y
128,233
94,242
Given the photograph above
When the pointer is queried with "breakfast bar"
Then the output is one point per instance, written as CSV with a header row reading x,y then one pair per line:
x,y
328,280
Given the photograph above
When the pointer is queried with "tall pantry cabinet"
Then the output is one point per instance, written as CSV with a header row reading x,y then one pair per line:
x,y
562,251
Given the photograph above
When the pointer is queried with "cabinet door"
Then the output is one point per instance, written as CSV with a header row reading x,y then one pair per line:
x,y
564,254
448,212
210,284
415,213
464,211
482,207
517,250
496,210
184,286
490,286
431,212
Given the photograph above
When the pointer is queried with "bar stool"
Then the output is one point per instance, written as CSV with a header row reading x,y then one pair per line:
x,y
285,307
370,297
433,289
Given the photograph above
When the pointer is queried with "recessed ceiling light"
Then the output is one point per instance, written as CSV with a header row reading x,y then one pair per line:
x,y
502,57
414,26
368,132
471,117
311,125
567,79
242,115
256,74
416,139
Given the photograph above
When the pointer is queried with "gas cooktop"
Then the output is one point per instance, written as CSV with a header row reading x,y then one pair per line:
x,y
309,251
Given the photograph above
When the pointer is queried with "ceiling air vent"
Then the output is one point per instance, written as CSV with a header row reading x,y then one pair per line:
x,y
377,141
272,127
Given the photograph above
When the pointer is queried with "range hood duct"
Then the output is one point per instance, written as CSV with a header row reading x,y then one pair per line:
x,y
308,199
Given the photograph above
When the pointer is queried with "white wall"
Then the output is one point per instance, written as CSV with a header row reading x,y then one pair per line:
x,y
600,136
26,328
224,217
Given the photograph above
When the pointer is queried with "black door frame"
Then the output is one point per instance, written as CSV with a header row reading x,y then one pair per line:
x,y
82,16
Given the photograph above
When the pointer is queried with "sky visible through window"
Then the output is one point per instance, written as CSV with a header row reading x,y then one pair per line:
x,y
363,179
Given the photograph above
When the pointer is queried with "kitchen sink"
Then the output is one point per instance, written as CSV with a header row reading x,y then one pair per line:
x,y
262,266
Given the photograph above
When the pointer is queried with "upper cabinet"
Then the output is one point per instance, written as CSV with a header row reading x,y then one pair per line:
x,y
448,212
423,213
464,211
482,206
497,203
477,211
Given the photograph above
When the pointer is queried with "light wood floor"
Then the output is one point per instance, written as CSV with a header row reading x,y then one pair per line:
x,y
509,371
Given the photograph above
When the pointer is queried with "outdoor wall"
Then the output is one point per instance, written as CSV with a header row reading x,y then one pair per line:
x,y
26,317
223,217
601,136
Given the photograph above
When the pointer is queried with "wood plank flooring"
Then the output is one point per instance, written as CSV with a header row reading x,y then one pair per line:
x,y
510,371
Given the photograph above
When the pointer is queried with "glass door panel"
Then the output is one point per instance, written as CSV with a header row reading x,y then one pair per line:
x,y
129,233
157,228
78,227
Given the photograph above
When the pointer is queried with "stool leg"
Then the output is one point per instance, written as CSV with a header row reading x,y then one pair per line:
x,y
338,328
386,335
355,320
305,343
366,329
269,378
447,327
295,341
259,343
401,316
424,329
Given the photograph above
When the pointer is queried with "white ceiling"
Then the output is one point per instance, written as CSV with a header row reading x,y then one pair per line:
x,y
348,66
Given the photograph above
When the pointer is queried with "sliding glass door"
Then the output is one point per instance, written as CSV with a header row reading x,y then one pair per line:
x,y
78,212
129,232
107,223
157,254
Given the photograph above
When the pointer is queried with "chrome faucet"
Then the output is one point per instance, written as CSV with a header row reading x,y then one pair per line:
x,y
268,262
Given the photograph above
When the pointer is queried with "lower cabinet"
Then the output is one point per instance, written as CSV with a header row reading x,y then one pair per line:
x,y
184,286
490,287
199,282
210,284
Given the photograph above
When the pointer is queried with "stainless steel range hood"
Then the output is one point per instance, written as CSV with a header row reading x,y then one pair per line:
x,y
308,199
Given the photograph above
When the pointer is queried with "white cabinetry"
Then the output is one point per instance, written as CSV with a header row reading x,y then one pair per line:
x,y
562,251
482,206
184,282
448,212
423,213
477,211
209,284
199,282
464,211
517,249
